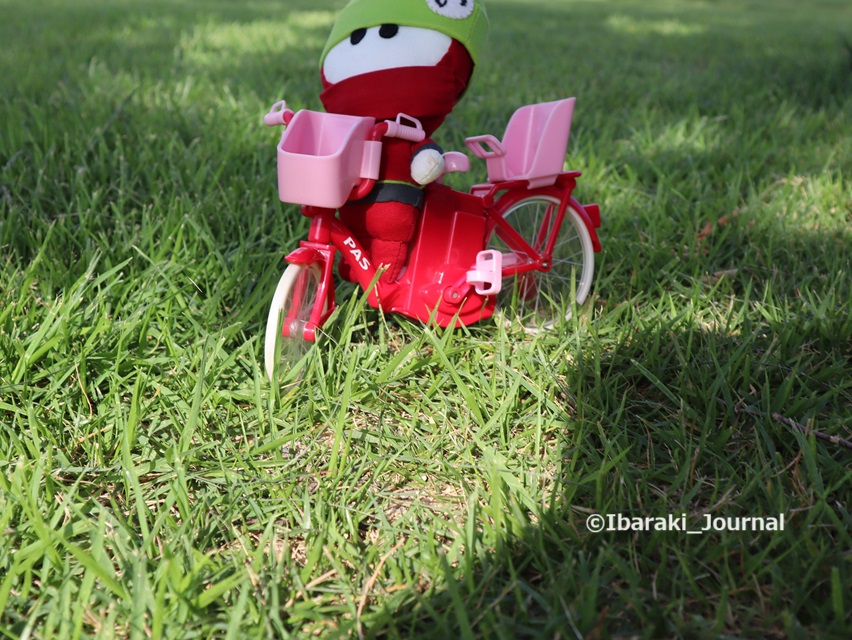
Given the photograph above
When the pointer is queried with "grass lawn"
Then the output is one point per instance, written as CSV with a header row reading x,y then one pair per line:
x,y
422,482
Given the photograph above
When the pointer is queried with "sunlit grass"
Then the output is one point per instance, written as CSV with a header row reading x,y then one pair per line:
x,y
208,43
653,27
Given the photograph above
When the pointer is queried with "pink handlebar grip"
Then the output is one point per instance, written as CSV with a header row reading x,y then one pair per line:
x,y
404,132
456,162
278,115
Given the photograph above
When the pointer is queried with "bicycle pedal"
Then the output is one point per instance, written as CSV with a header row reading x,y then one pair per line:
x,y
487,276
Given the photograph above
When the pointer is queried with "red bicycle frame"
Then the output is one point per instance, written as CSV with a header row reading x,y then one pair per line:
x,y
449,277
431,288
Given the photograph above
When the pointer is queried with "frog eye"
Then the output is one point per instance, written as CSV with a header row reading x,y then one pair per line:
x,y
455,9
388,31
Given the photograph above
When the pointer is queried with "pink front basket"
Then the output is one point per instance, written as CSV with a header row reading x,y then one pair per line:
x,y
533,146
323,156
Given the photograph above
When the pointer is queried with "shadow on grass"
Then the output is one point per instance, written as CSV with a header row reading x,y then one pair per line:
x,y
690,450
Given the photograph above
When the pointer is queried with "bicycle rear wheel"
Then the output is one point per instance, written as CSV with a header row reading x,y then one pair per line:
x,y
539,300
292,303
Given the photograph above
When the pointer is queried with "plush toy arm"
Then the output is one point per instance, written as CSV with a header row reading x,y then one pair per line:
x,y
427,164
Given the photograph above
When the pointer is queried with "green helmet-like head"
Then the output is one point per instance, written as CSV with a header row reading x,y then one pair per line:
x,y
417,57
463,20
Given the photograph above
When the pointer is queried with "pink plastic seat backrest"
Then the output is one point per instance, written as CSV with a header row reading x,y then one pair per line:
x,y
535,140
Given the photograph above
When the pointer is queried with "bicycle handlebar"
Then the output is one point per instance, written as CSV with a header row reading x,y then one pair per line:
x,y
391,129
278,115
387,129
395,129
404,132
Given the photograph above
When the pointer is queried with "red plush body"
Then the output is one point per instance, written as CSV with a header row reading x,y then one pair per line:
x,y
385,221
386,228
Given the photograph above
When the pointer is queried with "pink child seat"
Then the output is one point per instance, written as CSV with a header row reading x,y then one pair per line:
x,y
323,156
533,146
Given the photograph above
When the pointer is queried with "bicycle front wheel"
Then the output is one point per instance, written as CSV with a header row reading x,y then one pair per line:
x,y
292,303
541,299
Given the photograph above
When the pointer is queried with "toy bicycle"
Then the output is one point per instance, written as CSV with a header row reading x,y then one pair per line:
x,y
519,240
